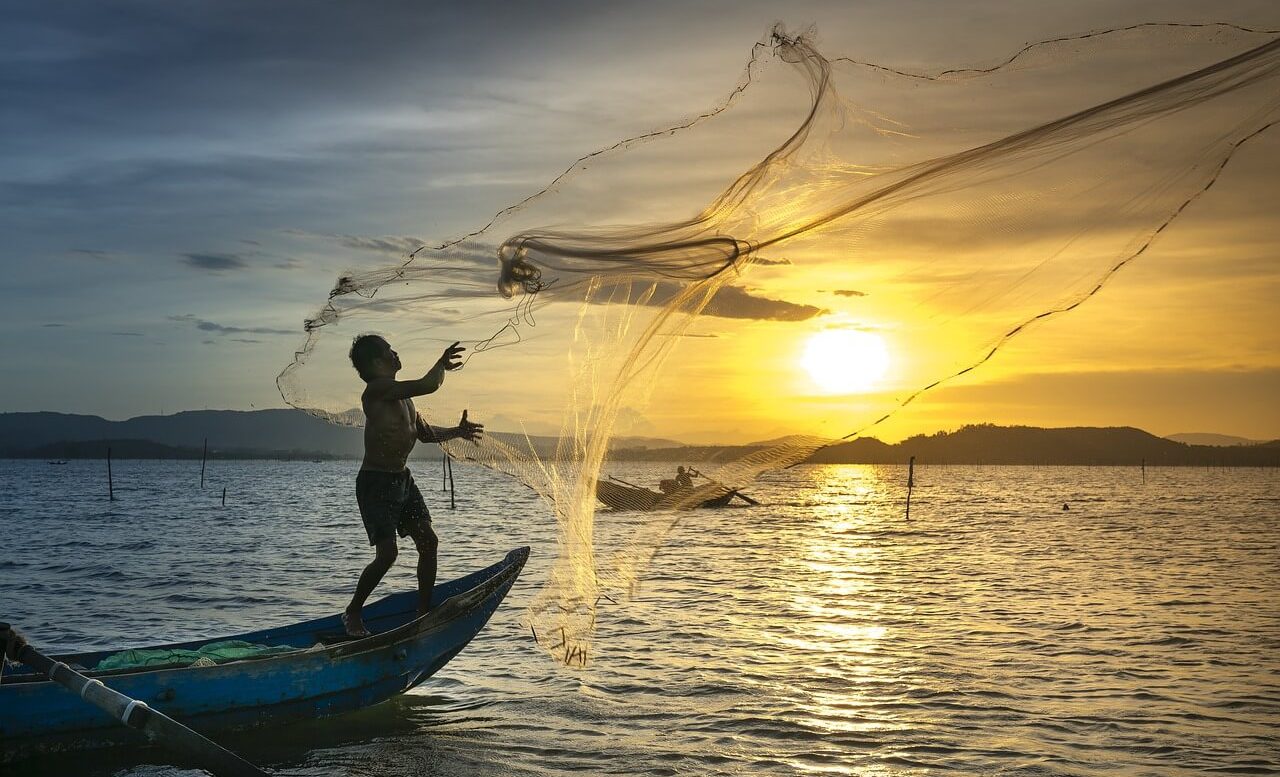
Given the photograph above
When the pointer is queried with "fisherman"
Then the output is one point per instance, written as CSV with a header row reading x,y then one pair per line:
x,y
683,478
389,500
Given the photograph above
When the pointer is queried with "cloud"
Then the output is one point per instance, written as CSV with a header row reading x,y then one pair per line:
x,y
400,246
94,253
127,334
848,293
215,262
737,302
760,260
222,329
394,245
53,326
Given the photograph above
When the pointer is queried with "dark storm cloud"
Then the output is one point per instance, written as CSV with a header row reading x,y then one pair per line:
x,y
848,293
222,329
215,262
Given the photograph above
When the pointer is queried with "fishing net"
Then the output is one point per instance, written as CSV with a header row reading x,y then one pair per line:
x,y
211,654
942,213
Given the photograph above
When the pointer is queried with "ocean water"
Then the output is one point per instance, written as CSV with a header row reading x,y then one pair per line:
x,y
1137,633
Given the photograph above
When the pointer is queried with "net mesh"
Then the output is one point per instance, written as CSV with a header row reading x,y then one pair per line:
x,y
947,212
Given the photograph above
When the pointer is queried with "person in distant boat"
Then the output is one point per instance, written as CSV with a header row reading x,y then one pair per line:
x,y
389,500
683,478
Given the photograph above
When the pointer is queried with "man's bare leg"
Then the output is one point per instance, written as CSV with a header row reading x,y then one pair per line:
x,y
425,539
369,579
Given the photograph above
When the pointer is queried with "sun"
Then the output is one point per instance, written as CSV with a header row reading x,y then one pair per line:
x,y
845,361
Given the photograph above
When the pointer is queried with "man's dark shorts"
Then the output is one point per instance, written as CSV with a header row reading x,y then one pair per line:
x,y
390,502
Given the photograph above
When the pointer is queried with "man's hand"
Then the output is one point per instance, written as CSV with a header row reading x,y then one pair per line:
x,y
468,430
451,359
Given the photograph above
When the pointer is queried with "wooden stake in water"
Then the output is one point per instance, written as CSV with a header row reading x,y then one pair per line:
x,y
448,463
224,496
911,482
111,490
1144,472
204,456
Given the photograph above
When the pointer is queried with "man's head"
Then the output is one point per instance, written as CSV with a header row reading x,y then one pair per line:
x,y
680,470
373,358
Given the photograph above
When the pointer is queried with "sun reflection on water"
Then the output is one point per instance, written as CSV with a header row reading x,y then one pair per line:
x,y
833,616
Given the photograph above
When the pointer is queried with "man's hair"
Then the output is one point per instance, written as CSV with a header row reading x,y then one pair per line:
x,y
364,349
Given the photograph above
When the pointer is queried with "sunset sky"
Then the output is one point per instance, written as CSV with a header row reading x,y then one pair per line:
x,y
181,184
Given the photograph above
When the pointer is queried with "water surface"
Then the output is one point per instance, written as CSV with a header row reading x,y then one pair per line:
x,y
1137,632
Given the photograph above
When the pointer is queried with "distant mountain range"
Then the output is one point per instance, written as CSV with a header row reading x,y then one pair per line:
x,y
252,434
294,434
1205,438
988,444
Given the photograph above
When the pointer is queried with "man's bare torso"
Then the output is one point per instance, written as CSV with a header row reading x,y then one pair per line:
x,y
390,432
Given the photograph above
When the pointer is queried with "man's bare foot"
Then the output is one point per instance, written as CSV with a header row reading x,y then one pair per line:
x,y
353,624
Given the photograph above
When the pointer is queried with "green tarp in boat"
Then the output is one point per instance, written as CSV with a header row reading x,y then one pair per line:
x,y
206,655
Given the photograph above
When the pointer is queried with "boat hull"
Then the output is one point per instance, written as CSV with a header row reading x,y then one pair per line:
x,y
620,497
38,716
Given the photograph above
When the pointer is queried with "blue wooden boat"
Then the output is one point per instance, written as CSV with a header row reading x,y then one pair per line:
x,y
318,679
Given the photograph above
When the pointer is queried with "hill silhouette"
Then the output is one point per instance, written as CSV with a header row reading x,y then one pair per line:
x,y
231,434
1207,438
989,444
294,434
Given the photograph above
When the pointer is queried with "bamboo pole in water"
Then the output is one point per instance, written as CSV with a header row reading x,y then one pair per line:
x,y
911,482
203,458
448,463
111,490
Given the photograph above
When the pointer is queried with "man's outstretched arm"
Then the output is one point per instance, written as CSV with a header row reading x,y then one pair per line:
x,y
391,389
465,430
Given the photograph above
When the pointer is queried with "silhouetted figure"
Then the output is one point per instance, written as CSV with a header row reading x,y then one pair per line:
x,y
389,500
1065,506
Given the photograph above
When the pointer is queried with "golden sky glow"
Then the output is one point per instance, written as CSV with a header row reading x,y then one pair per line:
x,y
191,284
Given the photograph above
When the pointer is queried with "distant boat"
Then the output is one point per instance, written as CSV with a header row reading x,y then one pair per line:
x,y
316,680
56,463
628,497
